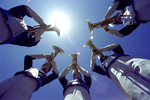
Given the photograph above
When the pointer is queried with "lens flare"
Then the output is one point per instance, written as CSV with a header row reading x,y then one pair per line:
x,y
61,20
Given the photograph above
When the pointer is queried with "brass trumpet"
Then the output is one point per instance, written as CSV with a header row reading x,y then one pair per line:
x,y
93,47
102,23
37,27
74,61
57,50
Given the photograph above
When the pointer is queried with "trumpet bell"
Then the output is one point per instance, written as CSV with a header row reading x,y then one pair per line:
x,y
56,48
88,41
90,26
74,54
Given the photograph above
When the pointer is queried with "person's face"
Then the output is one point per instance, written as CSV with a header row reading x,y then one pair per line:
x,y
45,68
118,20
77,76
30,30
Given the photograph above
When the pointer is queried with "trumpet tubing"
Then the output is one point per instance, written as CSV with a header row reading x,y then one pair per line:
x,y
57,50
93,47
105,22
74,61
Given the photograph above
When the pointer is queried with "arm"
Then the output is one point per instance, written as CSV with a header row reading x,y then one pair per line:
x,y
35,16
94,67
93,60
49,78
39,56
39,34
88,81
112,31
111,10
124,31
87,76
128,29
83,71
54,66
28,62
22,10
28,59
115,32
116,48
19,12
65,72
54,73
62,76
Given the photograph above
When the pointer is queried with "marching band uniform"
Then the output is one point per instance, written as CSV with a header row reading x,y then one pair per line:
x,y
77,89
15,31
133,13
24,83
130,74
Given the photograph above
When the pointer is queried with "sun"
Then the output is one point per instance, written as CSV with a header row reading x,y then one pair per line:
x,y
61,20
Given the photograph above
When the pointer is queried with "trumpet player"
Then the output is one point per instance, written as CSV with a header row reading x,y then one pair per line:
x,y
132,14
78,88
130,74
15,31
24,83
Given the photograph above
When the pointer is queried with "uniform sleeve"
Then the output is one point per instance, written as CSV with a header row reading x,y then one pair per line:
x,y
24,40
88,81
111,10
63,81
19,11
128,29
28,62
98,70
49,78
116,48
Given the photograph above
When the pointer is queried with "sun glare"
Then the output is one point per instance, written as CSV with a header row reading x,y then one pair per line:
x,y
61,20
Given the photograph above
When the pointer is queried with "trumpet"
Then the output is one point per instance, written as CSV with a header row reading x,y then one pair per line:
x,y
37,27
93,47
102,23
74,62
57,50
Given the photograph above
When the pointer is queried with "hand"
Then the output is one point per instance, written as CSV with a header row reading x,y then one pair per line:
x,y
104,19
100,50
77,66
49,57
44,26
69,67
73,65
105,28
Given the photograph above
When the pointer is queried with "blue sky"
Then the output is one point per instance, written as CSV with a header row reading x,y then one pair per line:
x,y
77,12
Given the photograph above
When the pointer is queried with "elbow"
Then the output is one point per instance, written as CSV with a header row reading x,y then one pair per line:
x,y
121,36
27,56
116,45
32,44
59,77
92,67
55,74
24,6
